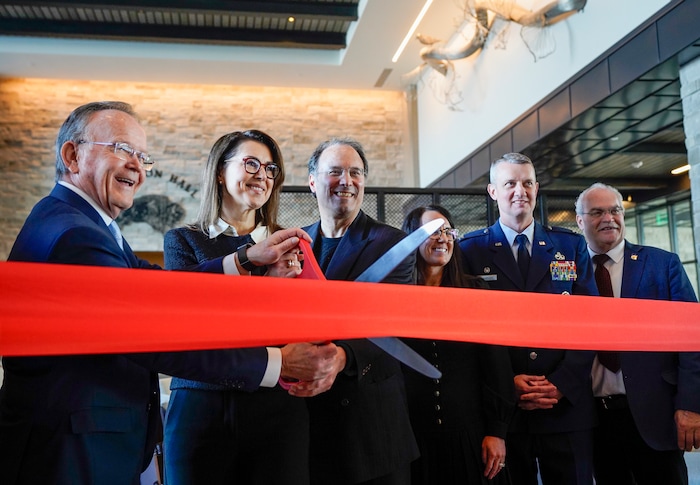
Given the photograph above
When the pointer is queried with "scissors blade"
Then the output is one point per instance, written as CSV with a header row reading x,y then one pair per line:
x,y
406,355
381,268
377,272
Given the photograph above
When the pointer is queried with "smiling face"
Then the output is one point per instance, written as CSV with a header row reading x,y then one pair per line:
x,y
339,196
246,191
514,187
606,231
436,252
110,181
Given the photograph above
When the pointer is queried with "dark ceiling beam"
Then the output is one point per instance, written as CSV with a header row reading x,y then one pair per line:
x,y
628,183
671,148
106,30
332,10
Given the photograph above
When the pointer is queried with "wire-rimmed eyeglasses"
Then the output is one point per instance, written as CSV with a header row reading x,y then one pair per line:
x,y
252,166
123,151
354,172
450,233
613,211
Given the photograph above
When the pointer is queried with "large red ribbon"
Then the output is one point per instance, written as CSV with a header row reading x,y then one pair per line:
x,y
66,309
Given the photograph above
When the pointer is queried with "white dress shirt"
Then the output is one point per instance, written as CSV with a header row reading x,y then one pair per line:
x,y
605,381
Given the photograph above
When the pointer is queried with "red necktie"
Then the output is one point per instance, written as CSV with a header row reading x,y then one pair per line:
x,y
611,360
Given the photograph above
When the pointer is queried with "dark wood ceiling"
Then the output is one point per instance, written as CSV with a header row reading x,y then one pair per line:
x,y
319,24
632,139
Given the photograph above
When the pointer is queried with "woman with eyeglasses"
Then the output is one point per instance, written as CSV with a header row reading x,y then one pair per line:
x,y
460,420
215,434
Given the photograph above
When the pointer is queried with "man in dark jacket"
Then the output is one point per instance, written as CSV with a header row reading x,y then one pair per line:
x,y
360,430
96,418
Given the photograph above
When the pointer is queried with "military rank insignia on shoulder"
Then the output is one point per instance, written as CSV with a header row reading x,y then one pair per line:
x,y
563,230
473,234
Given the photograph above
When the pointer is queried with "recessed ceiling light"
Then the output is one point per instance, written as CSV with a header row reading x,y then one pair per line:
x,y
413,28
681,169
637,164
291,20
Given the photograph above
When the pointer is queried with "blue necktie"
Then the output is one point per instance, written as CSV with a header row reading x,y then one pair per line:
x,y
114,229
523,255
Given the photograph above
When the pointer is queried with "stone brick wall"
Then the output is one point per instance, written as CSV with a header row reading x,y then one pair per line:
x,y
182,122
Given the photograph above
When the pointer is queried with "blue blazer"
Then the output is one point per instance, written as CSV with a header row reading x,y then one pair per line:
x,y
93,418
658,383
360,428
486,253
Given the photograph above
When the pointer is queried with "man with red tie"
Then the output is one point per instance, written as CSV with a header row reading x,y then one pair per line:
x,y
639,395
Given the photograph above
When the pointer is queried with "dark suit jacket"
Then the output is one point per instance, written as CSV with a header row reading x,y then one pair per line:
x,y
360,428
486,253
92,418
658,383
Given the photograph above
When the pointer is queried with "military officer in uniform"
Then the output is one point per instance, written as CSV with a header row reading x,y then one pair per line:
x,y
551,431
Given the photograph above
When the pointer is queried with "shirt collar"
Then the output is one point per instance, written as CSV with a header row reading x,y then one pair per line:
x,y
616,253
105,217
222,227
510,234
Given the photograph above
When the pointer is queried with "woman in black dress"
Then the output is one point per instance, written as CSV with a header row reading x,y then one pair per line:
x,y
461,419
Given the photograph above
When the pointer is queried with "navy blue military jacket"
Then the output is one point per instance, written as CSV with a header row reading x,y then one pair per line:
x,y
559,264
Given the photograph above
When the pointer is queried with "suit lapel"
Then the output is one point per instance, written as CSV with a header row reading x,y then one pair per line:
x,y
71,198
74,200
313,231
503,257
542,248
632,270
347,255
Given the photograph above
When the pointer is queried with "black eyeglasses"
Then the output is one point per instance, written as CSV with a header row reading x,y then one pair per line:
x,y
450,233
597,213
252,166
124,151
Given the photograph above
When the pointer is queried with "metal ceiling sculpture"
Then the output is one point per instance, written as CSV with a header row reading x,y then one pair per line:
x,y
485,19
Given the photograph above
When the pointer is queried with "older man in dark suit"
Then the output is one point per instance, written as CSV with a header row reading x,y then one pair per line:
x,y
648,402
91,419
360,430
552,425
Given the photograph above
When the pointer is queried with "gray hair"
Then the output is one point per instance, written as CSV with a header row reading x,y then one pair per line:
x,y
74,127
517,158
351,142
597,185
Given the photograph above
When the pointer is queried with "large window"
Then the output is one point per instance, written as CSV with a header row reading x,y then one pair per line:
x,y
666,224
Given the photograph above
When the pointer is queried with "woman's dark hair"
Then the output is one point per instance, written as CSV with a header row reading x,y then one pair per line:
x,y
212,192
452,275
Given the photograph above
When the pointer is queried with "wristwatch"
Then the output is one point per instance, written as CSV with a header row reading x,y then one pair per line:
x,y
243,260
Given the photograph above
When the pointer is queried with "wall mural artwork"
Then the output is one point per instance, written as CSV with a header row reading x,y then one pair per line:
x,y
158,211
484,23
166,200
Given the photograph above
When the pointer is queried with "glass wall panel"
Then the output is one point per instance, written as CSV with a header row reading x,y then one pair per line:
x,y
655,230
683,230
692,270
631,226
